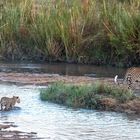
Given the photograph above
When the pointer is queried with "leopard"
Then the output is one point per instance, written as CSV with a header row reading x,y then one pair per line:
x,y
8,103
131,79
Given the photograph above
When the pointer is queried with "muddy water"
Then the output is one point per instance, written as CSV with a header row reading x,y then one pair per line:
x,y
63,69
55,122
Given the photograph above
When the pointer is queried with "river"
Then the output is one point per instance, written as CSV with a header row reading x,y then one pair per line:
x,y
63,69
56,122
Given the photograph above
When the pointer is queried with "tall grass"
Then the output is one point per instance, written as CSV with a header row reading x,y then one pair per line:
x,y
122,21
101,33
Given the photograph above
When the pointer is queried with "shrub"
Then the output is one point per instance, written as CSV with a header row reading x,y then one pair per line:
x,y
86,96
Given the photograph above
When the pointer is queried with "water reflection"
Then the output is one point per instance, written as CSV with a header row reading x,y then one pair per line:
x,y
57,122
64,69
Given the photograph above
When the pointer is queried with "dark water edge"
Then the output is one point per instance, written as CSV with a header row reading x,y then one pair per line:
x,y
71,69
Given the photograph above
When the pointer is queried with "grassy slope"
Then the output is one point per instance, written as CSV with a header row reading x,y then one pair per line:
x,y
104,33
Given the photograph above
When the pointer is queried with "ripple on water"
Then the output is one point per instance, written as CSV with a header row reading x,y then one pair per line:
x,y
61,123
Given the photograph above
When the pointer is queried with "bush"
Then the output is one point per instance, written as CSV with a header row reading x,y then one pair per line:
x,y
86,96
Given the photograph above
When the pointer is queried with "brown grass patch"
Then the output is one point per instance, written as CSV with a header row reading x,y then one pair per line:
x,y
108,103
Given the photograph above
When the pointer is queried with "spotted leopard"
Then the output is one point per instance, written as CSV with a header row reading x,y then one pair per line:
x,y
132,77
8,103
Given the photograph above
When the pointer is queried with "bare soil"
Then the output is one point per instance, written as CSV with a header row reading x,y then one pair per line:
x,y
45,79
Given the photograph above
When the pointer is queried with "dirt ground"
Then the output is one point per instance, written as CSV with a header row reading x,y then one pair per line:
x,y
45,79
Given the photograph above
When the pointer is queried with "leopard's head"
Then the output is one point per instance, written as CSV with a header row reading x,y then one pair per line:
x,y
17,99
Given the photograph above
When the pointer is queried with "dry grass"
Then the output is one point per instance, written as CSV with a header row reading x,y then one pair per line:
x,y
98,31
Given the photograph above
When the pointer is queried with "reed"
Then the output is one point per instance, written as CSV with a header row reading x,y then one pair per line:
x,y
88,32
121,21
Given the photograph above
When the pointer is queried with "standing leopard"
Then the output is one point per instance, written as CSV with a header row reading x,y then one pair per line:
x,y
8,103
131,79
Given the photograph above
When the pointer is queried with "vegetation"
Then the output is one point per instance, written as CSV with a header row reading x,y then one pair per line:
x,y
100,32
95,96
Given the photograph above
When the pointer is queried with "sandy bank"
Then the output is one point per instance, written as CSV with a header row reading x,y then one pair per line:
x,y
45,79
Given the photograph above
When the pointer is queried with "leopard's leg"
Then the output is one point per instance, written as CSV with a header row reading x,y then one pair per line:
x,y
7,106
1,107
129,81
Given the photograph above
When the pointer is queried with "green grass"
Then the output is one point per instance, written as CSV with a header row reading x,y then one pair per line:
x,y
84,96
107,33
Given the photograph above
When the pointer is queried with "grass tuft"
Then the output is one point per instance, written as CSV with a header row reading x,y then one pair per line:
x,y
86,96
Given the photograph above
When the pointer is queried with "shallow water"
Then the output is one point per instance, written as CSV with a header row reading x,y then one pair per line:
x,y
63,69
55,122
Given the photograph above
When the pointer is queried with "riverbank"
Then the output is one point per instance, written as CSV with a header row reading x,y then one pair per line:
x,y
71,31
27,78
46,79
